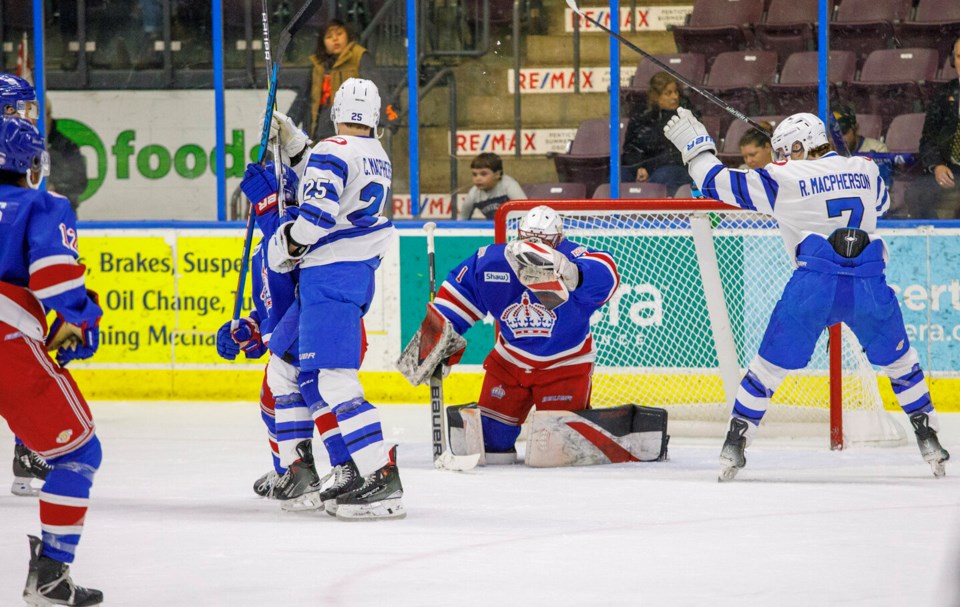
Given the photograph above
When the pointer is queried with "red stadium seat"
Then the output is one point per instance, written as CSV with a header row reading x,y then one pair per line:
x,y
893,81
718,25
740,78
864,26
555,191
789,27
798,87
935,25
634,191
588,161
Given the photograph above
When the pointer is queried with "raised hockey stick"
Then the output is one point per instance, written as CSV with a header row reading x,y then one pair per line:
x,y
443,459
707,94
306,11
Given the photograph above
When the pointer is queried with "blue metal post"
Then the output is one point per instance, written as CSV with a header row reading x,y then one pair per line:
x,y
413,88
823,41
614,102
218,102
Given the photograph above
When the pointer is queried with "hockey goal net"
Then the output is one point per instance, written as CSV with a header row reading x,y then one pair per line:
x,y
699,280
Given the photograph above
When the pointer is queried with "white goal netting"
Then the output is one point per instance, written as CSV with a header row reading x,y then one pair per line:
x,y
666,339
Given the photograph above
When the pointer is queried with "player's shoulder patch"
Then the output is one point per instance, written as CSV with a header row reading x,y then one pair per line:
x,y
579,251
496,277
481,251
336,139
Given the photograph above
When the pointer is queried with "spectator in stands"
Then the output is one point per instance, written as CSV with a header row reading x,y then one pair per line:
x,y
755,147
69,174
491,188
858,145
939,153
647,154
338,57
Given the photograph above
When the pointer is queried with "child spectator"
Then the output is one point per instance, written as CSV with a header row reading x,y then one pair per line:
x,y
491,188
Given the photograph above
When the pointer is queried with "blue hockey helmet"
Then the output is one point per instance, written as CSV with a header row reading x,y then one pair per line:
x,y
18,97
22,149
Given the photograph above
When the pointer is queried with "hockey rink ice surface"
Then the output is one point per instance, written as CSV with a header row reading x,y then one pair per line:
x,y
173,522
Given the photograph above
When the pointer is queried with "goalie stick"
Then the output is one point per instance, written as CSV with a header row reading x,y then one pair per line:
x,y
707,94
309,8
443,459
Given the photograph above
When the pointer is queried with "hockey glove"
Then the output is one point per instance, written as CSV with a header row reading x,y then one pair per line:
x,y
436,343
284,253
260,186
544,270
227,347
247,334
293,141
83,348
689,135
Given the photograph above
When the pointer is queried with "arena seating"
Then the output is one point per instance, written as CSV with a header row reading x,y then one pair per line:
x,y
865,25
936,24
633,190
719,25
893,81
555,191
798,87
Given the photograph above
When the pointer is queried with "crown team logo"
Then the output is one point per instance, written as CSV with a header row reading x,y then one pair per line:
x,y
527,319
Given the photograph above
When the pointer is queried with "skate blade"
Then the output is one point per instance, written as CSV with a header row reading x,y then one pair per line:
x,y
36,600
377,511
727,474
330,507
456,463
308,502
21,486
939,469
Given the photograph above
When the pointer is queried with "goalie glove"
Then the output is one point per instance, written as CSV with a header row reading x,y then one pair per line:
x,y
689,135
279,255
544,270
293,141
435,343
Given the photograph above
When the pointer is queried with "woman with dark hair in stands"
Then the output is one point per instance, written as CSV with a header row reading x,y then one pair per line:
x,y
647,154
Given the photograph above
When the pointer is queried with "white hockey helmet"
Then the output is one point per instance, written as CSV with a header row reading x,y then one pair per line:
x,y
542,223
797,132
357,102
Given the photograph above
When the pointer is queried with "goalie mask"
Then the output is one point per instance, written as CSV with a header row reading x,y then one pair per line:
x,y
797,133
542,223
357,102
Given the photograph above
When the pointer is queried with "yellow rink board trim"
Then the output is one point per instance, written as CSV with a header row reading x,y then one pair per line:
x,y
380,387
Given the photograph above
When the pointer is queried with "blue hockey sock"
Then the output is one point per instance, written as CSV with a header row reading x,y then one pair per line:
x,y
63,499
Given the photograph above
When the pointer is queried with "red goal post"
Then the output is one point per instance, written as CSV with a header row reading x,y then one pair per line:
x,y
698,282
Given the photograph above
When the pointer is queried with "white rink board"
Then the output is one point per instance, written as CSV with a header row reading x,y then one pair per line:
x,y
173,522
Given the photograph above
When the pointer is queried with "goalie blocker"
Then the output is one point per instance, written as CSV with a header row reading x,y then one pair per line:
x,y
628,433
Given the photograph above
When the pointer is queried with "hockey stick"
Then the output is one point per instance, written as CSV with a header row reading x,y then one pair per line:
x,y
443,459
709,96
309,8
268,61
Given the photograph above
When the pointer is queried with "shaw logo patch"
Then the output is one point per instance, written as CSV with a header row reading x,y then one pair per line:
x,y
64,437
496,276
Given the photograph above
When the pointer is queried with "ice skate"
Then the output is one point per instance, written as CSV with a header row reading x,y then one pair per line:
x,y
300,479
27,465
930,448
379,497
265,484
731,456
345,479
49,583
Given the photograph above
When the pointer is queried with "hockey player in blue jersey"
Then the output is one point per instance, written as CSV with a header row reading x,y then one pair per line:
x,y
39,271
827,207
541,289
18,98
337,241
274,323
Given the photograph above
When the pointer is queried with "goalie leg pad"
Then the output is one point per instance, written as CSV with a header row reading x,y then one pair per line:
x,y
628,433
436,342
465,430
